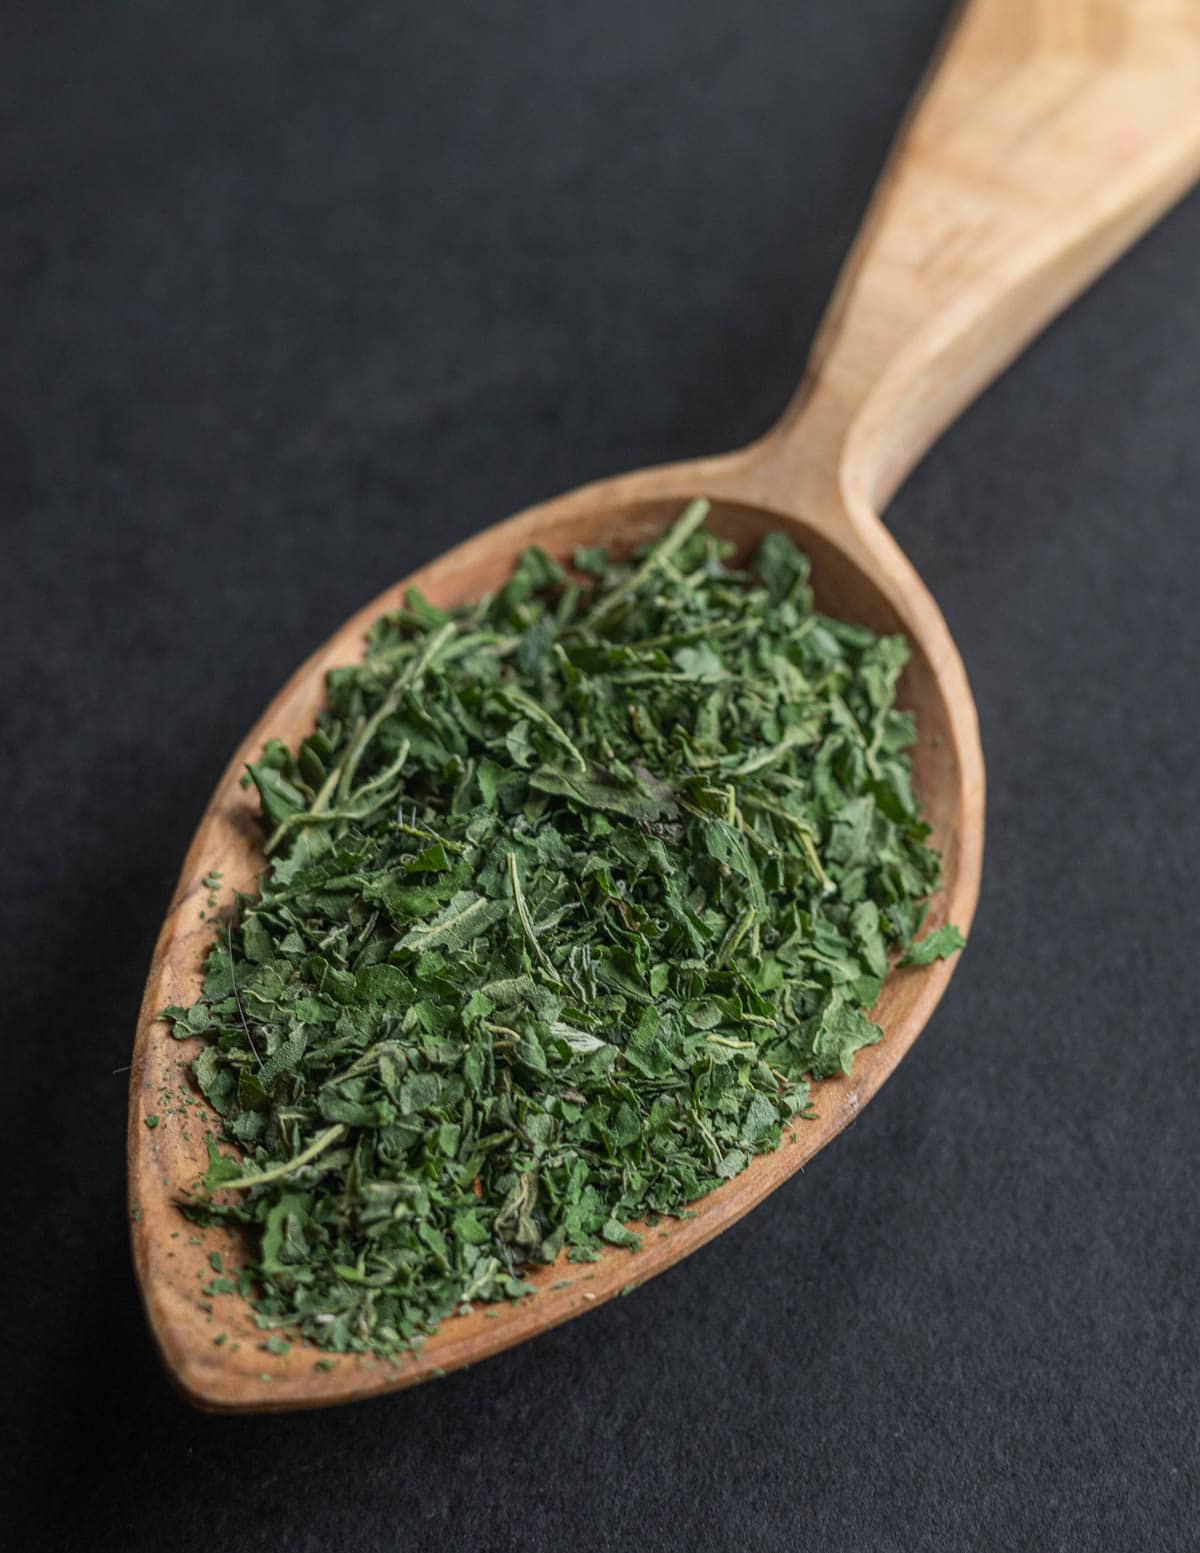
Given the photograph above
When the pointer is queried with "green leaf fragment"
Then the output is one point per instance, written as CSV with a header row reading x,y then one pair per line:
x,y
938,945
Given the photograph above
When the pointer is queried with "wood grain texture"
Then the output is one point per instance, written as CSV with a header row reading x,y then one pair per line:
x,y
1048,136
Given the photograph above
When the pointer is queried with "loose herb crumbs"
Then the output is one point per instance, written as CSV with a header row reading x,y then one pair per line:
x,y
570,894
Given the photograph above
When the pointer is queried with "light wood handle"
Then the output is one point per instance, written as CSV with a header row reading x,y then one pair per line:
x,y
1048,136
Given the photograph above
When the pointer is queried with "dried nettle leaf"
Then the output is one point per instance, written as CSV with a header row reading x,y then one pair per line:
x,y
570,893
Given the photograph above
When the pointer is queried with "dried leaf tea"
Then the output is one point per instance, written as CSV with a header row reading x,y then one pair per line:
x,y
570,894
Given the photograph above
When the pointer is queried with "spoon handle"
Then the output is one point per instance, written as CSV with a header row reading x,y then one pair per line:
x,y
1048,135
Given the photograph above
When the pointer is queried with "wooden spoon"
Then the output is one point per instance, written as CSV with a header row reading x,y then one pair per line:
x,y
1048,136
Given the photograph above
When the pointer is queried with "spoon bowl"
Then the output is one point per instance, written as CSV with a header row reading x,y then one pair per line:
x,y
1049,134
948,779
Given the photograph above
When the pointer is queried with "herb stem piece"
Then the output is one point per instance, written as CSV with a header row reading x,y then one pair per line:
x,y
689,520
278,1172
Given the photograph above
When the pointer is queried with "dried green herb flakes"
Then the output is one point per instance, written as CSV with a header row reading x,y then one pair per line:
x,y
571,891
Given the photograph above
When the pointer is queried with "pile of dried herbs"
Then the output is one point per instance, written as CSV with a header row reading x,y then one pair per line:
x,y
570,892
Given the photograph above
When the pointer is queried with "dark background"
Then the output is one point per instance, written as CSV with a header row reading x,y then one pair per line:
x,y
296,296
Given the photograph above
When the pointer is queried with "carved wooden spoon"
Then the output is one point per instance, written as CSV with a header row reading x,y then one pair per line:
x,y
1048,136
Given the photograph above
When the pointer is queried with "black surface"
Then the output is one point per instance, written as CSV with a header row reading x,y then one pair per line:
x,y
297,295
